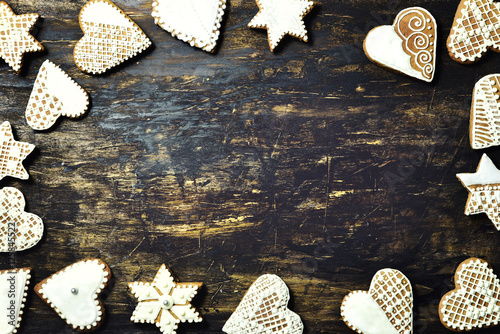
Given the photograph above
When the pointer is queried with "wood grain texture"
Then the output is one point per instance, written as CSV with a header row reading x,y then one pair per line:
x,y
311,163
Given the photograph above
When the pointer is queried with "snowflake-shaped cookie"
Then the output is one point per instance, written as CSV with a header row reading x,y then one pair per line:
x,y
12,154
165,302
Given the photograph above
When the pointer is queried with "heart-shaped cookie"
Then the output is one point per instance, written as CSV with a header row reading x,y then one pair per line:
x,y
408,46
196,22
264,309
385,309
73,293
110,37
485,113
19,230
14,285
475,301
54,94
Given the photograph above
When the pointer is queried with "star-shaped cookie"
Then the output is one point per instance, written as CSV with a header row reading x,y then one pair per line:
x,y
282,17
15,37
165,302
12,154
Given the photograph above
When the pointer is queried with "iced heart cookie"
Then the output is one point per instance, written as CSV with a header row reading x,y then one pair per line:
x,y
385,309
73,293
14,285
475,301
19,230
110,37
54,94
196,22
485,113
475,30
484,190
264,309
282,17
165,302
12,154
408,46
15,36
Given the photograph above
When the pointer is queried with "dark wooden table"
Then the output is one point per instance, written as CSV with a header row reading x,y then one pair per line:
x,y
311,163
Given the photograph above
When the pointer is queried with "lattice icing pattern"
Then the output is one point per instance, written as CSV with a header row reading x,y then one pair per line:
x,y
15,37
54,94
196,22
476,29
110,37
165,302
264,309
14,284
408,46
485,113
386,308
475,302
12,154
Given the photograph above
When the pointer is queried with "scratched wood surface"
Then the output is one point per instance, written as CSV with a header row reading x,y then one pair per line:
x,y
310,163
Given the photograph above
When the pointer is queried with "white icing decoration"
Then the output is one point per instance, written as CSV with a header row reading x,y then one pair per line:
x,y
165,302
83,309
13,291
282,17
54,94
196,22
28,228
264,309
485,113
13,154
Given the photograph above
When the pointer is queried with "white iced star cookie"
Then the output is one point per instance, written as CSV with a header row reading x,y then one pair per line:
x,y
165,302
12,154
475,301
14,284
15,37
387,308
73,293
54,94
196,22
282,17
484,190
19,230
264,309
485,113
110,37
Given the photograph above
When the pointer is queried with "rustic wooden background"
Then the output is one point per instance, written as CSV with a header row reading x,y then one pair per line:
x,y
311,163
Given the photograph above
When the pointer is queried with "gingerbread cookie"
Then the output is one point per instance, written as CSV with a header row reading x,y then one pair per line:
x,y
19,230
484,190
485,113
165,302
408,46
475,30
264,309
475,301
73,293
110,37
54,94
12,154
196,22
386,308
14,285
15,36
282,17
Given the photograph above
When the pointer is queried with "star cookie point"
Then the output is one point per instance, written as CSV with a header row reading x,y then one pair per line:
x,y
13,154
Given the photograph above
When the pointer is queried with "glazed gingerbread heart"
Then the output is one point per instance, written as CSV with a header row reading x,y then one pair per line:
x,y
475,301
110,37
485,113
385,309
264,309
408,46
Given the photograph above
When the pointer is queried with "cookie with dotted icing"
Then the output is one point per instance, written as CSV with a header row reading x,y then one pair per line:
x,y
54,94
14,284
485,113
408,46
196,22
110,37
15,36
475,301
12,154
19,230
282,17
264,309
484,190
386,308
73,293
475,30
